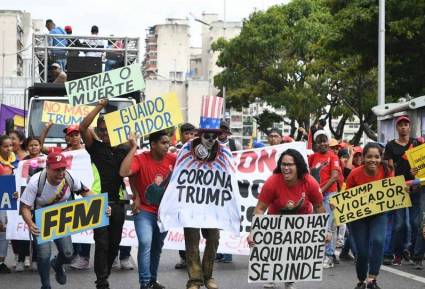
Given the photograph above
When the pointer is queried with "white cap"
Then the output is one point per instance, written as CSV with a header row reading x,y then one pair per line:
x,y
321,132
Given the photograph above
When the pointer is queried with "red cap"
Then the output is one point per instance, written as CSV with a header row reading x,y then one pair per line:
x,y
56,161
358,150
403,117
71,129
287,139
68,28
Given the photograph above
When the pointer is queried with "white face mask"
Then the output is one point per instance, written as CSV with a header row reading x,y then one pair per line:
x,y
208,139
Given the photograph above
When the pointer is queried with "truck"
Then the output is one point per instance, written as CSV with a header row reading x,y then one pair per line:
x,y
84,56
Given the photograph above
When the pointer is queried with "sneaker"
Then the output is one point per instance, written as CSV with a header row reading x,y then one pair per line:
x,y
397,260
4,269
406,255
27,262
156,285
60,272
34,266
418,265
290,285
211,284
339,244
126,264
116,264
269,285
20,267
372,285
361,285
328,262
80,263
388,260
346,256
182,265
227,258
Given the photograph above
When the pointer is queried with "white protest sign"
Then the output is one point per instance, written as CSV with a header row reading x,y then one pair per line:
x,y
109,84
287,248
201,194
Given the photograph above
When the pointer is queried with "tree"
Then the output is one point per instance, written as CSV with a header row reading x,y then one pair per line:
x,y
273,59
266,120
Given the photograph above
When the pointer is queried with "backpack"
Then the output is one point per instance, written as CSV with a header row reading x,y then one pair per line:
x,y
42,181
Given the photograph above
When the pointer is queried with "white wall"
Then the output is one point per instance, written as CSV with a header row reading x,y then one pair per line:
x,y
173,50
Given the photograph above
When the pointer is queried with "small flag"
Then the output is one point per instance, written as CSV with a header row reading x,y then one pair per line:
x,y
212,110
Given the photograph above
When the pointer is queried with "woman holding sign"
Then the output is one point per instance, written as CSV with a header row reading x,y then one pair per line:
x,y
369,233
290,190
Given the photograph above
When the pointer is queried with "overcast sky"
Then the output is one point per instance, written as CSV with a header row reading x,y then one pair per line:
x,y
132,17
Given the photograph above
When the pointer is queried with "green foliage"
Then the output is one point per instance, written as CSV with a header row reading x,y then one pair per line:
x,y
266,120
319,58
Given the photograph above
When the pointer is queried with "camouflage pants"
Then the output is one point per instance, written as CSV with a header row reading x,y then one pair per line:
x,y
200,272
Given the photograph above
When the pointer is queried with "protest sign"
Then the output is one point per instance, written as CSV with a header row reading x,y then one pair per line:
x,y
7,188
416,158
370,199
287,248
201,194
67,218
143,118
64,114
109,84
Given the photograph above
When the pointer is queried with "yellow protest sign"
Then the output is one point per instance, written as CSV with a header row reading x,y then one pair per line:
x,y
416,158
64,114
109,84
143,118
67,218
370,199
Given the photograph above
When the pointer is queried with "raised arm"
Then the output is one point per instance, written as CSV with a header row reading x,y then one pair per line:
x,y
125,169
84,125
44,133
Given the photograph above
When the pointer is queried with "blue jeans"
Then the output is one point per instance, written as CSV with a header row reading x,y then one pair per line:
x,y
44,252
330,226
82,250
150,246
416,214
349,243
369,237
400,233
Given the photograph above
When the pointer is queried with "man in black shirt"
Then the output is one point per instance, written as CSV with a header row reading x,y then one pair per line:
x,y
402,232
108,161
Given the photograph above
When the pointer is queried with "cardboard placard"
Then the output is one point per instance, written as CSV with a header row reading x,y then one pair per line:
x,y
143,118
7,188
370,199
65,114
109,84
288,248
67,218
416,158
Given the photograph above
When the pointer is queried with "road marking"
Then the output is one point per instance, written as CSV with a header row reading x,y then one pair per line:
x,y
403,274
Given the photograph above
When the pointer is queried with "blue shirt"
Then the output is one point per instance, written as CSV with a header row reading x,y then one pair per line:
x,y
57,41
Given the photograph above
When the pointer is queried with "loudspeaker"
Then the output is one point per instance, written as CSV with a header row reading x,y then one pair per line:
x,y
86,64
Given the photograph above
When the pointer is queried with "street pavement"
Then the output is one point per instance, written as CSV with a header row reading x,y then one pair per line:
x,y
229,276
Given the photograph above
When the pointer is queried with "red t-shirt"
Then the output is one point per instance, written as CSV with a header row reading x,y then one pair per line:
x,y
358,176
277,195
321,167
148,171
5,170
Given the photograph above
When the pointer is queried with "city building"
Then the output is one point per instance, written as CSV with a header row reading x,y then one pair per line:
x,y
16,30
168,50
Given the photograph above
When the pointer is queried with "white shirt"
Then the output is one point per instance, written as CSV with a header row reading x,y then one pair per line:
x,y
51,194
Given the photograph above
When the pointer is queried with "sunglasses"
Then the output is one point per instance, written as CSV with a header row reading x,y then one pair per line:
x,y
209,136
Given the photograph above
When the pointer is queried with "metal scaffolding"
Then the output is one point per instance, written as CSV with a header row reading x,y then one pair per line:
x,y
43,49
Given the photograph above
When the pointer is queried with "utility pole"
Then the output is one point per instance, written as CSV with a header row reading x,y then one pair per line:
x,y
381,60
224,36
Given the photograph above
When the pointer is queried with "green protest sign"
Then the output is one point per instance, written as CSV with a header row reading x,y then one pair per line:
x,y
109,84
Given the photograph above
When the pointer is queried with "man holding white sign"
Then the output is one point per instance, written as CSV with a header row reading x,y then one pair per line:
x,y
290,190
